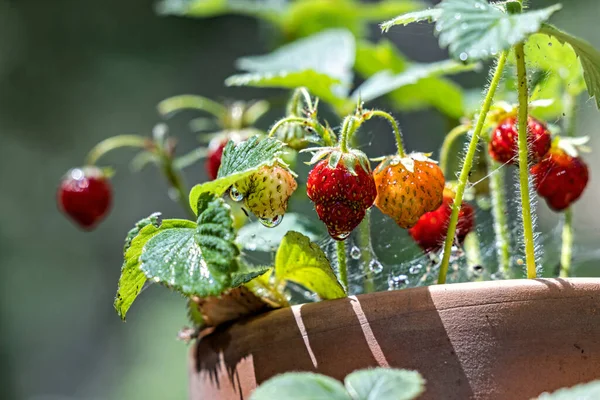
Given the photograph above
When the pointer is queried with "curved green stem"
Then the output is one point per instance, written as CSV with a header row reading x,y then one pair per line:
x,y
191,102
566,253
175,181
378,113
349,126
523,162
447,146
501,231
342,263
473,252
467,164
113,143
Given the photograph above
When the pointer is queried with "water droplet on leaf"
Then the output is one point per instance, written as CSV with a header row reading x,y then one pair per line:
x,y
463,56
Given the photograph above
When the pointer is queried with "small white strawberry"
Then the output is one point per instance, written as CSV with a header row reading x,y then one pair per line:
x,y
266,193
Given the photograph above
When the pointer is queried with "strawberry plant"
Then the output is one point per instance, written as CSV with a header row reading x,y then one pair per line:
x,y
254,174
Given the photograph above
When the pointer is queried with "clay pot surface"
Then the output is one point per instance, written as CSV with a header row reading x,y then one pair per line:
x,y
487,340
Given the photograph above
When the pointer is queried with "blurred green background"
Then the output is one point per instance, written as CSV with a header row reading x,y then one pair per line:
x,y
74,72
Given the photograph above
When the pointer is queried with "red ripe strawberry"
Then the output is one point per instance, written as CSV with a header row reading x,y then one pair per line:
x,y
560,178
408,187
431,229
342,191
503,145
213,159
85,196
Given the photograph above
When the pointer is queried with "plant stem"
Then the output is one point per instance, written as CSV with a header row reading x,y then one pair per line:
x,y
342,263
566,253
392,121
467,164
447,146
364,231
113,143
473,251
523,162
501,232
348,128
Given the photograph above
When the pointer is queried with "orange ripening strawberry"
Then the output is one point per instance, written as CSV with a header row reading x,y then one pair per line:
x,y
560,178
431,229
342,191
503,145
408,187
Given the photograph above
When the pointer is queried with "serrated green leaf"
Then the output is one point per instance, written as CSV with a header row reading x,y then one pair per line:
x,y
319,84
198,260
384,384
303,262
477,30
153,219
589,58
385,81
585,391
330,53
132,278
429,15
300,386
238,162
256,237
248,273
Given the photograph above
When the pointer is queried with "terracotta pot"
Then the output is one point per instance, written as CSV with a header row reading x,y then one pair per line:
x,y
488,340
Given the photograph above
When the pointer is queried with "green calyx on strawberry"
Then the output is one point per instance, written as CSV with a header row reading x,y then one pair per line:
x,y
342,188
562,175
266,193
408,187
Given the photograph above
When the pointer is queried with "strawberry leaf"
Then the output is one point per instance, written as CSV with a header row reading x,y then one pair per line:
x,y
584,391
248,273
132,278
196,260
429,15
303,262
384,384
589,58
238,162
301,386
476,30
322,63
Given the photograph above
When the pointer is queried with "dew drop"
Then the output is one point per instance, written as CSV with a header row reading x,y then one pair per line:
x,y
463,56
415,269
375,266
355,252
235,194
457,16
271,222
397,282
341,236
